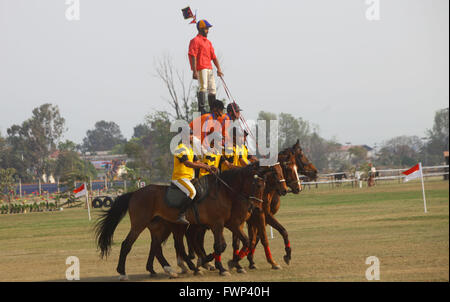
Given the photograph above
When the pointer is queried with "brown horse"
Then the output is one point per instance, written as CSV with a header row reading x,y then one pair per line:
x,y
272,202
226,205
195,233
257,224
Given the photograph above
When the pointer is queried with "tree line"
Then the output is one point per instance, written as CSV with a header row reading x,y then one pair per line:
x,y
35,149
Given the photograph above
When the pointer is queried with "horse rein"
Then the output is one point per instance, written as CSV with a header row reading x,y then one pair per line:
x,y
237,193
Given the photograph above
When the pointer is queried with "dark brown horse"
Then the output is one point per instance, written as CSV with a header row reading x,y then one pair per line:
x,y
272,202
226,205
195,233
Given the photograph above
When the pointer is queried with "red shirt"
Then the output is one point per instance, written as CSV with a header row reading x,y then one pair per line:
x,y
201,48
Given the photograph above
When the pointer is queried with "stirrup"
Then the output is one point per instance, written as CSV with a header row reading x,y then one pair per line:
x,y
182,219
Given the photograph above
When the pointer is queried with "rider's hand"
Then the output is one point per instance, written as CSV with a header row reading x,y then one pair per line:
x,y
195,75
219,73
213,169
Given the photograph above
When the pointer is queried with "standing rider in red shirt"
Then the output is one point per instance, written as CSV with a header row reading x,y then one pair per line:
x,y
201,53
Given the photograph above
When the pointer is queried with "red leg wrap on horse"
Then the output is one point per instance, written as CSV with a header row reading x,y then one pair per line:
x,y
288,245
236,252
217,258
243,252
253,252
268,253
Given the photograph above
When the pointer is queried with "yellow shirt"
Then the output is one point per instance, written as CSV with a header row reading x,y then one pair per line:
x,y
211,159
235,157
183,153
243,152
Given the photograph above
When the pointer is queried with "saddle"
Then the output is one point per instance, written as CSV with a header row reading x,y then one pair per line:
x,y
175,198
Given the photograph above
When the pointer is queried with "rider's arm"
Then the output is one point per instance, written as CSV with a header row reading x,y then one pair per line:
x,y
196,164
219,70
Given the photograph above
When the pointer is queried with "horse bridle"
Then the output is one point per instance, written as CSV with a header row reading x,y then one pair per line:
x,y
278,180
293,182
251,197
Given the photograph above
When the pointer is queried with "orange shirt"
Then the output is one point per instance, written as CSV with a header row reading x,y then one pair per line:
x,y
207,122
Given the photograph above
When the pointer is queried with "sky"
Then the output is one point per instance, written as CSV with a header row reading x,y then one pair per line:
x,y
359,80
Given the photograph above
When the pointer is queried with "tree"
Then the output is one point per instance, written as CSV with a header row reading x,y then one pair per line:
x,y
7,183
290,129
37,138
103,137
180,90
438,137
400,151
358,154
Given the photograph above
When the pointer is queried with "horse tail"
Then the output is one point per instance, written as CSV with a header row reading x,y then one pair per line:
x,y
108,221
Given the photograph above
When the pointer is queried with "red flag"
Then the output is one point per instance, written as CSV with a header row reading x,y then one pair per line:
x,y
80,191
414,172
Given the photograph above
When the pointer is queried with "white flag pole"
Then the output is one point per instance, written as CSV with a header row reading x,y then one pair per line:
x,y
423,188
87,201
271,233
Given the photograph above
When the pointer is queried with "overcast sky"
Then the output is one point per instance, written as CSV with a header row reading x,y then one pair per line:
x,y
360,81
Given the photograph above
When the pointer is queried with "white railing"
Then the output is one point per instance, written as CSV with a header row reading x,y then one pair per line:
x,y
399,176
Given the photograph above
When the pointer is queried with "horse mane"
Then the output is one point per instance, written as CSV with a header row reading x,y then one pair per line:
x,y
231,175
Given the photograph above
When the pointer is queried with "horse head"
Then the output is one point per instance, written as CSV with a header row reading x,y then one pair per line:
x,y
274,177
304,165
289,166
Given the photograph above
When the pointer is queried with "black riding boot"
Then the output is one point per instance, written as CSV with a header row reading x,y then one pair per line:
x,y
182,216
211,100
202,96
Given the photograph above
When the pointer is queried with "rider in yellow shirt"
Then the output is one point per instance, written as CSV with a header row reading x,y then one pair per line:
x,y
184,164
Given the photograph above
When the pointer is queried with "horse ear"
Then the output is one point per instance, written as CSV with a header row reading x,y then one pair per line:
x,y
297,144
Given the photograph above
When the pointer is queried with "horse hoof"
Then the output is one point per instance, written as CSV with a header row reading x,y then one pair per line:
x,y
208,267
225,274
170,272
198,273
276,267
231,264
242,271
287,259
252,266
173,275
123,278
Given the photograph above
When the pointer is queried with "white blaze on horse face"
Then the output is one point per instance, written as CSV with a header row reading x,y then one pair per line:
x,y
296,174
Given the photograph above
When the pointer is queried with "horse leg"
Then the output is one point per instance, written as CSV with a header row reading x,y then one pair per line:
x,y
190,243
159,235
239,233
126,248
254,239
199,246
287,245
234,263
219,247
178,235
265,242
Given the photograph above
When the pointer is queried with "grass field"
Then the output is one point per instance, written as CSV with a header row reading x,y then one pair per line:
x,y
332,232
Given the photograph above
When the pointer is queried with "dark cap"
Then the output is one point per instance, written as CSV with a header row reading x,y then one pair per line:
x,y
218,104
233,107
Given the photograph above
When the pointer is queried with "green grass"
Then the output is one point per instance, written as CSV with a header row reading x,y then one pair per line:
x,y
332,232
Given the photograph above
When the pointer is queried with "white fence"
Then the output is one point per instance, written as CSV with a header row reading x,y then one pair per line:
x,y
387,174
